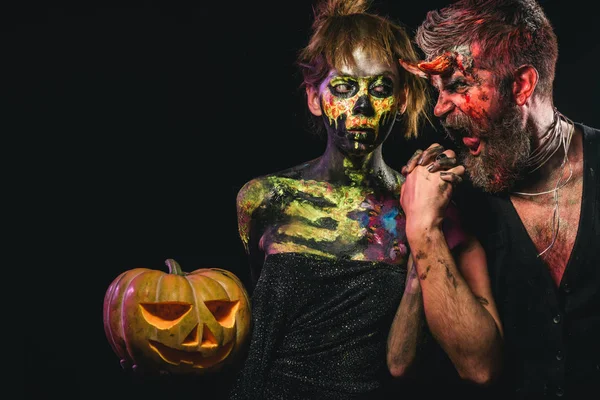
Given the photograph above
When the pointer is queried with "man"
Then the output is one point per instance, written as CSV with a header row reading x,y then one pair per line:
x,y
536,203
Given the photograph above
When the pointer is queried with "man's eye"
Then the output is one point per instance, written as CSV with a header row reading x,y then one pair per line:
x,y
458,87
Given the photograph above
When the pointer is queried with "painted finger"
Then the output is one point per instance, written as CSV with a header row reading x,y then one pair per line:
x,y
441,163
450,177
458,170
412,162
450,153
430,154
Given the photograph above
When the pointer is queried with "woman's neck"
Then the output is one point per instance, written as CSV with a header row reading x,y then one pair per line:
x,y
354,170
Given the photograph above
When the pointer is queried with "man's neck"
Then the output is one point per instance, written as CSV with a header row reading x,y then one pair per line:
x,y
558,170
551,138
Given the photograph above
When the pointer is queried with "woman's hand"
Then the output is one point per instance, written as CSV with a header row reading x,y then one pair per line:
x,y
435,158
427,190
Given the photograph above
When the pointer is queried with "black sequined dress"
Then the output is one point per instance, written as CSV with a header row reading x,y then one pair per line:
x,y
320,328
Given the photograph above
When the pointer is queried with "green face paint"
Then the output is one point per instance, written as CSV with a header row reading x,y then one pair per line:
x,y
362,104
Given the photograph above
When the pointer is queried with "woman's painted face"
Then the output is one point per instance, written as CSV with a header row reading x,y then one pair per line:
x,y
359,104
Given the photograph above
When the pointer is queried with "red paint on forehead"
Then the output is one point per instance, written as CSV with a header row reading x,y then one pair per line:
x,y
459,63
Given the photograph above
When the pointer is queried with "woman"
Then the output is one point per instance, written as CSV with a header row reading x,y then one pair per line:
x,y
327,239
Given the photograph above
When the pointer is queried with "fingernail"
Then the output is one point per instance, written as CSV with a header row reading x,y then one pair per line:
x,y
445,173
415,155
430,167
420,161
440,156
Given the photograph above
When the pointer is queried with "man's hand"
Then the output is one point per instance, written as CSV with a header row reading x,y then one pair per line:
x,y
435,158
427,191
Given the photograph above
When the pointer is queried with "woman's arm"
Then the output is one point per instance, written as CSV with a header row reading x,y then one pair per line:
x,y
407,327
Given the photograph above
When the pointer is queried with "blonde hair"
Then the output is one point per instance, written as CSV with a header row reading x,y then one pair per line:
x,y
339,27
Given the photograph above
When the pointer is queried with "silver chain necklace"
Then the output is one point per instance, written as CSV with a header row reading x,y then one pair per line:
x,y
542,154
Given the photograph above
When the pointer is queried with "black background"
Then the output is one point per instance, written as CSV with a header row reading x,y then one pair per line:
x,y
136,127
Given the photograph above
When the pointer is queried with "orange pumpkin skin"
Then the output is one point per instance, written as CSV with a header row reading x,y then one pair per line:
x,y
177,322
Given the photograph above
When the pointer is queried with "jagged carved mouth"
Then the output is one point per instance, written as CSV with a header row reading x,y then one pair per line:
x,y
193,358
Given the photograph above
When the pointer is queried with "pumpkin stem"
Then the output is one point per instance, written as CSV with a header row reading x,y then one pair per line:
x,y
174,267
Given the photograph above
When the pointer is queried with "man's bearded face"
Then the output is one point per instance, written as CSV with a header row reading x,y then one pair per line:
x,y
480,115
505,147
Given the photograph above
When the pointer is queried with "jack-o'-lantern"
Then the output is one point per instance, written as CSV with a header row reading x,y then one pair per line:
x,y
177,322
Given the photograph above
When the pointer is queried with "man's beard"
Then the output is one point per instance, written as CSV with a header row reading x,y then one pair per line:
x,y
502,162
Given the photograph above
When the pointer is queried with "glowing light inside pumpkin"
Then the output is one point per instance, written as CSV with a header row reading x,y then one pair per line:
x,y
208,339
224,311
165,315
196,359
192,338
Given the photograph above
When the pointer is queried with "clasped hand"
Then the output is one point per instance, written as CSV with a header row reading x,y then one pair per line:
x,y
427,190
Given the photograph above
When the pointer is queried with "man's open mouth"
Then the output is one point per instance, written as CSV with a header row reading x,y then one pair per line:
x,y
473,144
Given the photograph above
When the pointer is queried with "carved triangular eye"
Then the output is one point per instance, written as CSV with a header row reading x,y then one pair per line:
x,y
164,315
223,310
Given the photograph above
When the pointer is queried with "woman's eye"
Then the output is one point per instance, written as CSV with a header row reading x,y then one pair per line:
x,y
342,88
381,90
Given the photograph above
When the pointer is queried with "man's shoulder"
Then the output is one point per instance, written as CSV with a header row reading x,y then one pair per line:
x,y
590,133
591,143
587,127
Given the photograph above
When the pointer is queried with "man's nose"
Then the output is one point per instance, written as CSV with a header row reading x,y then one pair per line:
x,y
442,106
363,106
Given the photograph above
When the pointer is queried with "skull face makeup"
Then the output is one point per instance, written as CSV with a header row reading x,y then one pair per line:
x,y
359,104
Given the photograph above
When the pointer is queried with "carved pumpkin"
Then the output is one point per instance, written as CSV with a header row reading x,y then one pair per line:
x,y
177,322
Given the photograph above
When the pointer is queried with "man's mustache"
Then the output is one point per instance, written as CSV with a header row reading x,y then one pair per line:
x,y
462,125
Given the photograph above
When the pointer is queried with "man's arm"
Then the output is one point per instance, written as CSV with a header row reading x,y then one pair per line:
x,y
459,307
457,299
